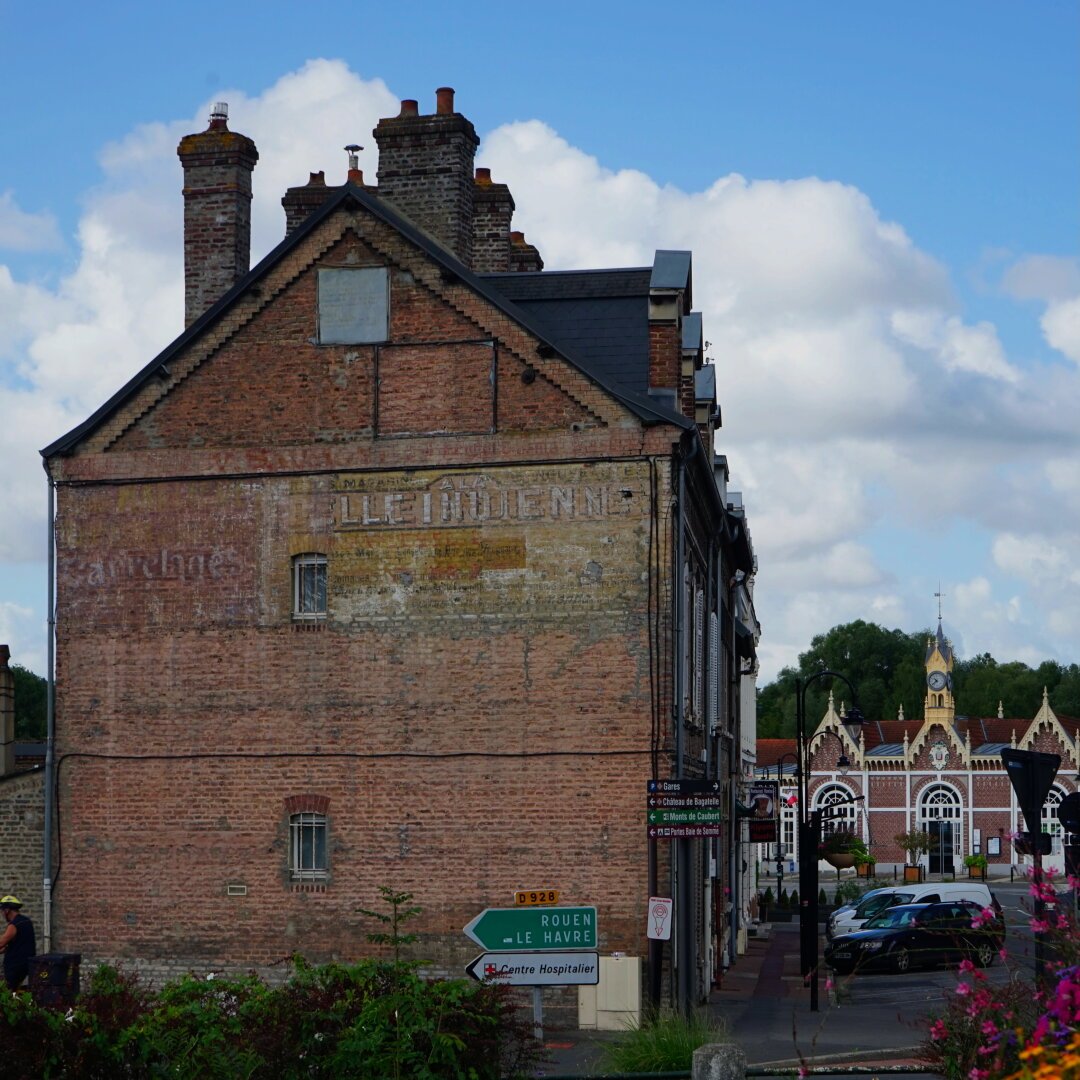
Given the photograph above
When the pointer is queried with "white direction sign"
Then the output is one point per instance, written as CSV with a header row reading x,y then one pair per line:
x,y
537,968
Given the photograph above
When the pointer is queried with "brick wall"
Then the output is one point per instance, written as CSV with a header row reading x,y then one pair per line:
x,y
22,834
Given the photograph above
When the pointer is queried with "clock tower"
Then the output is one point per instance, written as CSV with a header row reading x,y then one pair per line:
x,y
939,704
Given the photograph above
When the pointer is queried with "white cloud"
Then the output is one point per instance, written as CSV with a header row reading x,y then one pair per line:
x,y
1042,277
20,231
1061,327
850,384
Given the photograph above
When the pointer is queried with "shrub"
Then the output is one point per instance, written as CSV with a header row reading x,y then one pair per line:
x,y
977,862
767,897
847,892
1015,1030
822,899
784,900
665,1042
793,899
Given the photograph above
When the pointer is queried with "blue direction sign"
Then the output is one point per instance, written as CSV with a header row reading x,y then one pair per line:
x,y
536,929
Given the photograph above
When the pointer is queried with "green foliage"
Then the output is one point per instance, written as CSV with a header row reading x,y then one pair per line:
x,y
916,842
30,699
400,913
665,1042
887,668
767,897
822,898
847,892
369,1021
976,861
784,900
793,900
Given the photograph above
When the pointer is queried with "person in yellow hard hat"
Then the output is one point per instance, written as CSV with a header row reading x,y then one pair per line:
x,y
16,942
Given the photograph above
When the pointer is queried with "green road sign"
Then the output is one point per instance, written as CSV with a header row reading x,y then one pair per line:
x,y
685,817
537,929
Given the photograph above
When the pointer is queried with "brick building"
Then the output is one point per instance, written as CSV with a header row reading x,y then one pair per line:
x,y
407,563
942,774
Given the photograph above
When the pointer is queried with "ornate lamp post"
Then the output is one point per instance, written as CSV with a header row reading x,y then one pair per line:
x,y
810,826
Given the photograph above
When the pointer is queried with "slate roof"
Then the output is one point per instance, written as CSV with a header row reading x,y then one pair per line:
x,y
650,410
599,317
886,749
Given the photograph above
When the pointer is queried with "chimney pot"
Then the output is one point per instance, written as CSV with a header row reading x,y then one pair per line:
x,y
219,116
483,176
517,237
318,179
409,107
356,176
444,100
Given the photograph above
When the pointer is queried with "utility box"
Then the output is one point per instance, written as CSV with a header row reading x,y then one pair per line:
x,y
614,1004
54,979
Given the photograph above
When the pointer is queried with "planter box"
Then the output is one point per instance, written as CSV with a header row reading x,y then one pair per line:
x,y
865,869
913,873
977,872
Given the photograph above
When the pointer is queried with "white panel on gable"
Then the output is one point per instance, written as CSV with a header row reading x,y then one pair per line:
x,y
354,305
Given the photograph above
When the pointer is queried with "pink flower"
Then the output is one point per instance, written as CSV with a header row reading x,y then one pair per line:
x,y
1003,954
938,1030
963,989
829,984
966,966
990,1028
1039,926
979,1074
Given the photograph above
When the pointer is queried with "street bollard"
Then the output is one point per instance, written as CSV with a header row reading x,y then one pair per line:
x,y
719,1061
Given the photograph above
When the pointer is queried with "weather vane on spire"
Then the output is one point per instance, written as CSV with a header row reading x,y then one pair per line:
x,y
939,594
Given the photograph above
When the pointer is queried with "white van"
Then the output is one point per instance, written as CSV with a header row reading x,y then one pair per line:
x,y
929,892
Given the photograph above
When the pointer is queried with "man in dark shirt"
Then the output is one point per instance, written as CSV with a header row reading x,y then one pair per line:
x,y
16,942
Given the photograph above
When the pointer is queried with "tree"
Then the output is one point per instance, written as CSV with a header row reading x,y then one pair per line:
x,y
29,704
885,667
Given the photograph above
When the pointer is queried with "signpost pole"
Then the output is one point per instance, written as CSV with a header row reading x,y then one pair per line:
x,y
538,1014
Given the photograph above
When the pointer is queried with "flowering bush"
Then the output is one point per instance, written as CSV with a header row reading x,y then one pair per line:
x,y
1015,1031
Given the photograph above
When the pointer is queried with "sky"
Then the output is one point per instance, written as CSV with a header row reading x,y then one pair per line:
x,y
883,202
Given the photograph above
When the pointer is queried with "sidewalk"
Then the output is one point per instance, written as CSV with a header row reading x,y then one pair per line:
x,y
764,1006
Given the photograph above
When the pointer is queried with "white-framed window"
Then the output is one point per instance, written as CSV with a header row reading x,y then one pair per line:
x,y
699,656
307,847
1050,822
309,587
714,673
841,816
787,823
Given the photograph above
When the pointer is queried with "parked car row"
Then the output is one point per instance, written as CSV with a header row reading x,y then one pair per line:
x,y
906,936
847,919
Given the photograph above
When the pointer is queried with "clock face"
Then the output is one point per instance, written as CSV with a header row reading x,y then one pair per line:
x,y
937,680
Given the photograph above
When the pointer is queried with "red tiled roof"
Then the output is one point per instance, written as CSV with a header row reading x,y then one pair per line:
x,y
770,751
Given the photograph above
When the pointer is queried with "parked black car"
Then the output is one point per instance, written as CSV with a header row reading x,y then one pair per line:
x,y
919,935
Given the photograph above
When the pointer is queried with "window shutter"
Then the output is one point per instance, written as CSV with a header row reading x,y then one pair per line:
x,y
699,653
714,673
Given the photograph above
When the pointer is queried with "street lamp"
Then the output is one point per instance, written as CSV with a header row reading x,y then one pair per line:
x,y
810,824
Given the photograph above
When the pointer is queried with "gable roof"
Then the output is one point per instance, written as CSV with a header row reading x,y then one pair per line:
x,y
601,317
649,410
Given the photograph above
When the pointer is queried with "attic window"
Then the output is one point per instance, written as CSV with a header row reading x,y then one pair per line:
x,y
354,305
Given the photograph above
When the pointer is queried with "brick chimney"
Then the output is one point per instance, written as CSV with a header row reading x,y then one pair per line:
x,y
7,714
493,210
523,256
426,170
217,211
669,301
